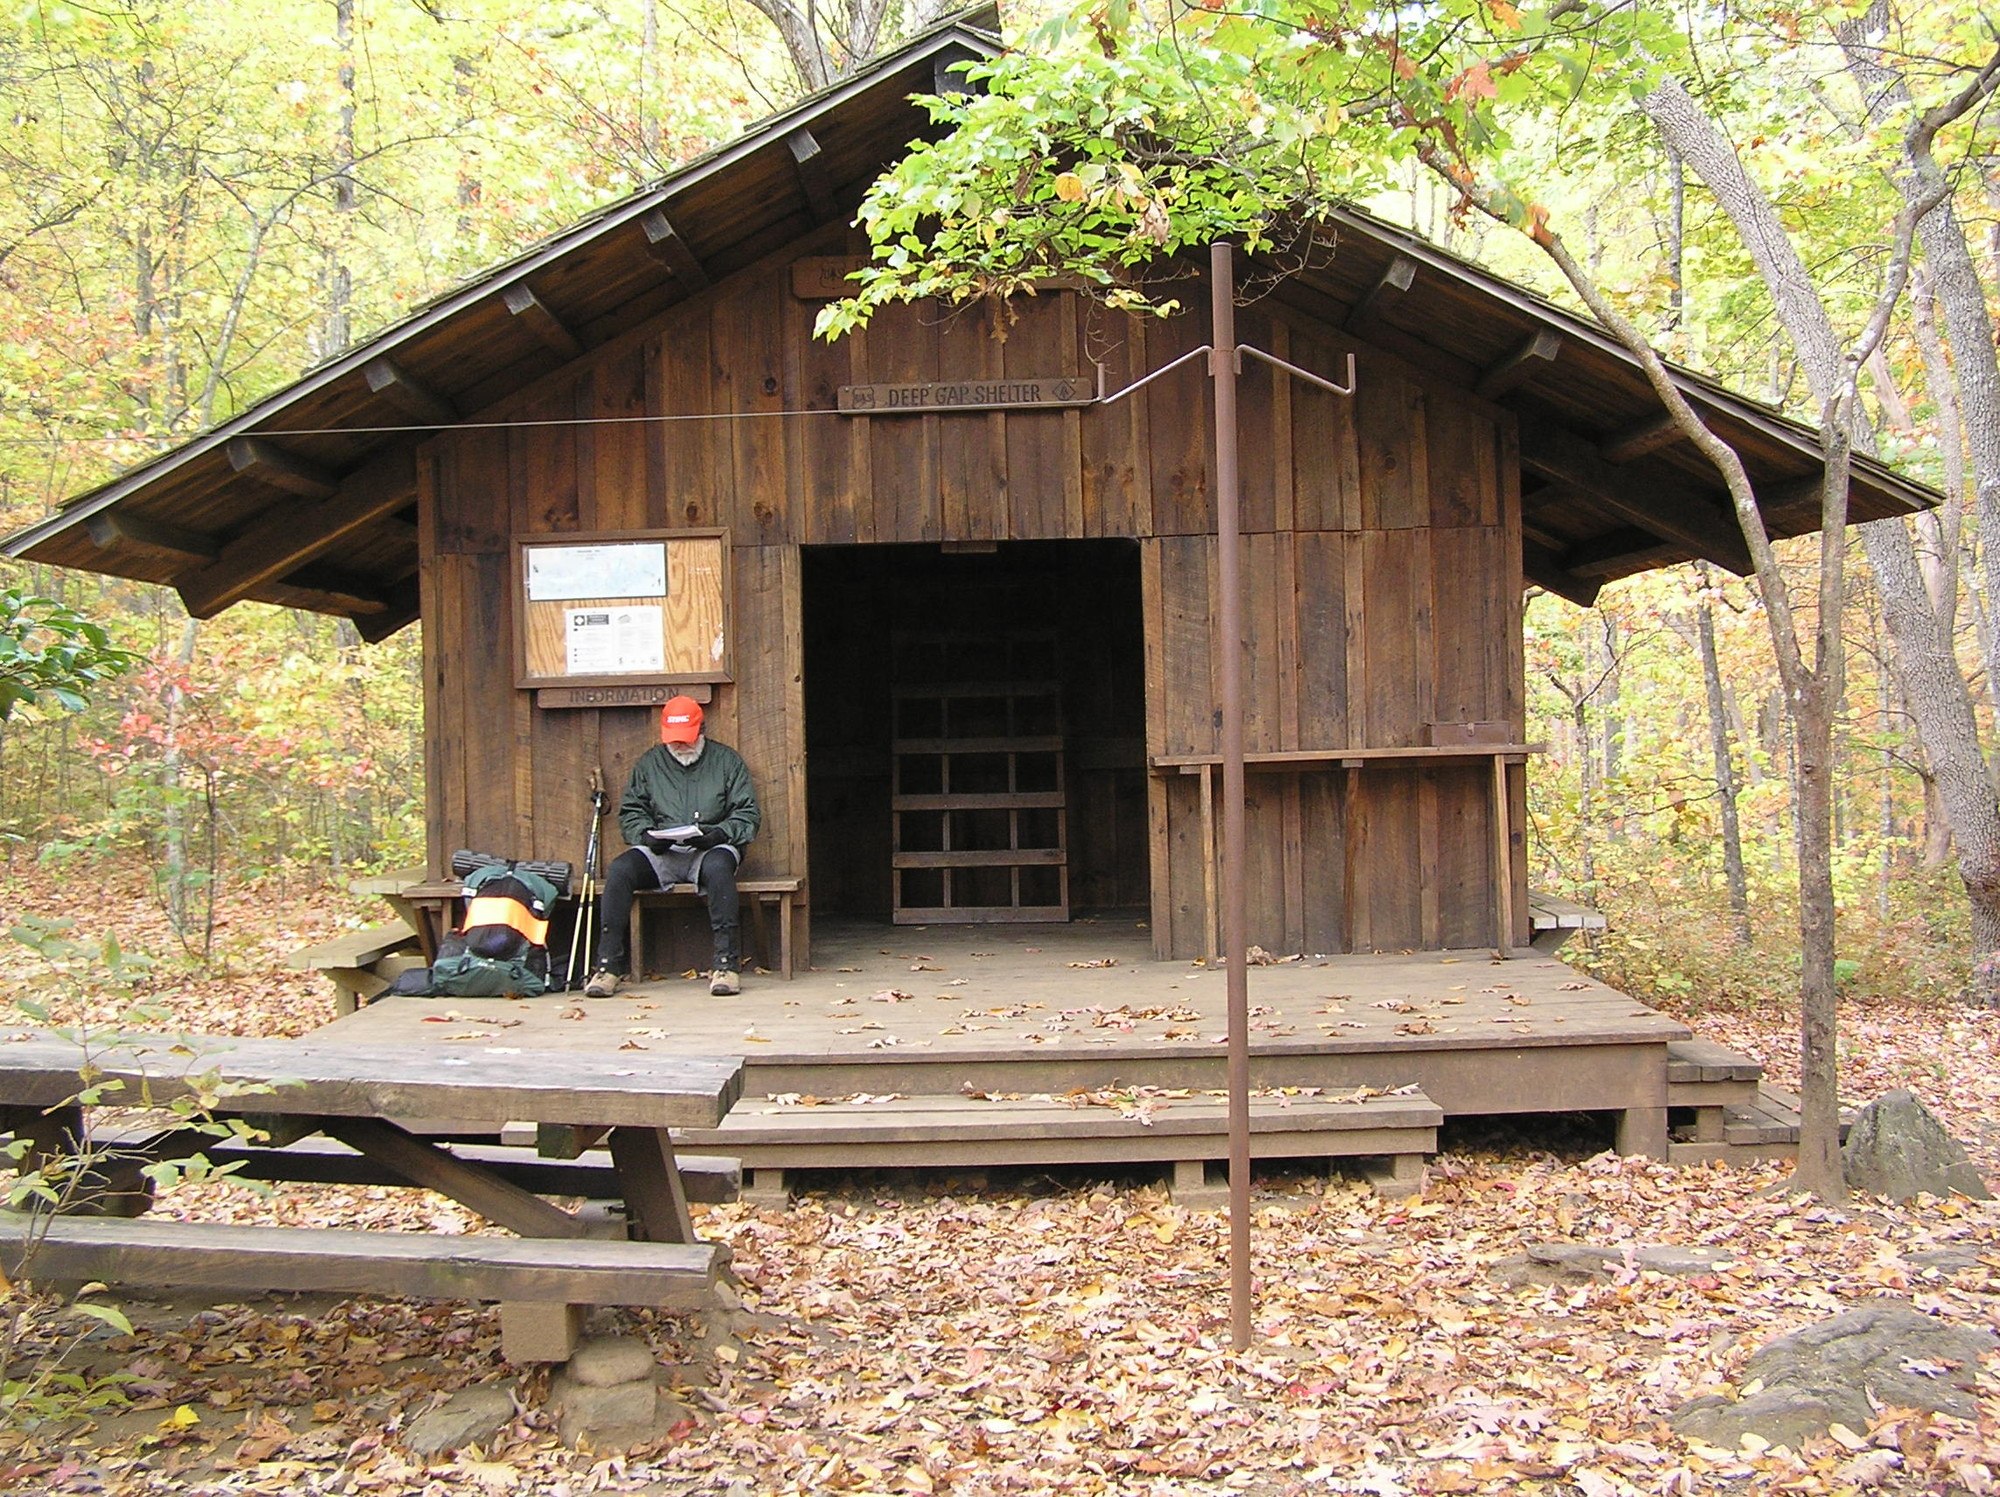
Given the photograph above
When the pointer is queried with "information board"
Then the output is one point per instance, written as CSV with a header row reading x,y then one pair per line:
x,y
631,608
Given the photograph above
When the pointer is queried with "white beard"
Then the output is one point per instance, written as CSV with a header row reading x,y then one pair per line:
x,y
686,753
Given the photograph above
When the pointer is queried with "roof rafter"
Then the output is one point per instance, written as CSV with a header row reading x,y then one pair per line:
x,y
1639,439
407,393
1673,511
1543,568
269,463
549,330
813,179
667,246
110,531
1521,364
287,536
1396,278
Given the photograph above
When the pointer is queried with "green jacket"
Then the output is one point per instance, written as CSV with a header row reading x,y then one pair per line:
x,y
712,791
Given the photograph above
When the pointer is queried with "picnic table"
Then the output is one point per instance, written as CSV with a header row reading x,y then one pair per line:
x,y
543,1276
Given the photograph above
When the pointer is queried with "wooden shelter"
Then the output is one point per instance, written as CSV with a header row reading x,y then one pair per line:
x,y
954,611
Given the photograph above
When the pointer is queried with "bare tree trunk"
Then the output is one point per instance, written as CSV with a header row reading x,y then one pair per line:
x,y
1725,774
1932,681
336,327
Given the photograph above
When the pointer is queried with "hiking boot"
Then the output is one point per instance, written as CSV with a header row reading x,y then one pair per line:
x,y
603,983
724,983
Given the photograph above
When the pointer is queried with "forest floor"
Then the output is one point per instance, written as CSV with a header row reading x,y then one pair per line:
x,y
1039,1333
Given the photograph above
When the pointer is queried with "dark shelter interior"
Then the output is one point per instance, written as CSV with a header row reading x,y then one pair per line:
x,y
975,730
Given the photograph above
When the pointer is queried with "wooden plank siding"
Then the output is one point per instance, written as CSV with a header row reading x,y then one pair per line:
x,y
1382,589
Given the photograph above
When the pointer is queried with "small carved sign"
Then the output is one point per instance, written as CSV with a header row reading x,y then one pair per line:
x,y
616,696
967,395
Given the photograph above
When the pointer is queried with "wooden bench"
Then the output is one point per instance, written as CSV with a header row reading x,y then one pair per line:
x,y
1187,1132
1553,921
540,1275
759,895
351,960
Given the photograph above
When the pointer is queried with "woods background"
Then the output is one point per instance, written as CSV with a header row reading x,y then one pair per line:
x,y
201,202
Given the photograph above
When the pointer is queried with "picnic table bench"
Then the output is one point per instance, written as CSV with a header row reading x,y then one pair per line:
x,y
542,1276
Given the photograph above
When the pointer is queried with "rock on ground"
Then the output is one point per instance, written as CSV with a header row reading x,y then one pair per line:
x,y
1896,1148
1828,1372
1576,1262
471,1416
606,1361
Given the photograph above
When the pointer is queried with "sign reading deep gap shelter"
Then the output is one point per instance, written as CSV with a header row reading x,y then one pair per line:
x,y
1033,392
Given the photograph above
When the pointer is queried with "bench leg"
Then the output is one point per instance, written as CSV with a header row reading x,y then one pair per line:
x,y
760,928
539,1331
655,1204
785,936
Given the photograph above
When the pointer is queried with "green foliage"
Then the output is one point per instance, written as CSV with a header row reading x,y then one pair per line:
x,y
40,1332
1110,141
48,649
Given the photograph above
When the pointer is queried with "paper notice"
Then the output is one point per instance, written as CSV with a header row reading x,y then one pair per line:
x,y
614,641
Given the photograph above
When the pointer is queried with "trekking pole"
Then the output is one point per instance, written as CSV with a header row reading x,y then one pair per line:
x,y
580,938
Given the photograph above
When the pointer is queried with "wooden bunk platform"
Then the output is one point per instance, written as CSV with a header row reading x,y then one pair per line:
x,y
1025,1044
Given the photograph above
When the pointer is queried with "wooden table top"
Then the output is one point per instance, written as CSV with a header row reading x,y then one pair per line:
x,y
318,1076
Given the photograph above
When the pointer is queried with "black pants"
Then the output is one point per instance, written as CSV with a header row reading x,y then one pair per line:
x,y
632,871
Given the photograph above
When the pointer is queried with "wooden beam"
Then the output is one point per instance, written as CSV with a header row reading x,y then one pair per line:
x,y
285,537
1545,570
672,251
408,394
342,590
426,1165
1624,551
269,463
1793,500
1396,278
1528,358
112,529
1637,440
813,178
1670,509
376,627
549,329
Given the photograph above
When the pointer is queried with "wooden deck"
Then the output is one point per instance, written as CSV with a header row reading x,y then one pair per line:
x,y
968,1044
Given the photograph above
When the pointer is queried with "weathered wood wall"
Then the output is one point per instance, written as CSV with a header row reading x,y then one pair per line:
x,y
1382,586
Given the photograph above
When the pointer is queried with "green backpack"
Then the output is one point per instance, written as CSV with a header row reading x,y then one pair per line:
x,y
502,950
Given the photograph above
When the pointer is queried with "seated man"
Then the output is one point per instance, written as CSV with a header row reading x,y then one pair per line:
x,y
688,812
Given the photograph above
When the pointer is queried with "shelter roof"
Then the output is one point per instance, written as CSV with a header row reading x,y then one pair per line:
x,y
308,497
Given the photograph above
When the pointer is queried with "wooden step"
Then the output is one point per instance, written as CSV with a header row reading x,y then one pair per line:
x,y
775,1134
1701,1073
1764,1128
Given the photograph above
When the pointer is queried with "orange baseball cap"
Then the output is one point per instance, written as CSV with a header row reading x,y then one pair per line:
x,y
680,720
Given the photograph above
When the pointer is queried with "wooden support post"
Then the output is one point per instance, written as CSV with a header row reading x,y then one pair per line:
x,y
655,1204
1643,1131
1503,874
1211,941
539,1331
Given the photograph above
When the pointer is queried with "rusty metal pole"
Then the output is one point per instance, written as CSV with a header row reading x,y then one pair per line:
x,y
1223,362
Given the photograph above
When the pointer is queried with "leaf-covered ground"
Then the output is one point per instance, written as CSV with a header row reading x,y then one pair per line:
x,y
1024,1333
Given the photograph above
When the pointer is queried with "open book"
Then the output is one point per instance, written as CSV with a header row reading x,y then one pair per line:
x,y
675,833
